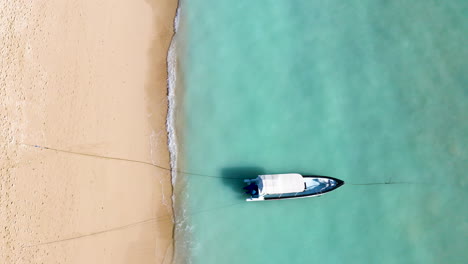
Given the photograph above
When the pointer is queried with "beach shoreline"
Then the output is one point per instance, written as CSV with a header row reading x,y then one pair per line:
x,y
83,91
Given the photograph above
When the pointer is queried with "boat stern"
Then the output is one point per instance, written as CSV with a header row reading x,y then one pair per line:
x,y
252,190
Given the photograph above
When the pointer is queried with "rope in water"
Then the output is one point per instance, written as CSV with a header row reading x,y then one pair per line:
x,y
381,183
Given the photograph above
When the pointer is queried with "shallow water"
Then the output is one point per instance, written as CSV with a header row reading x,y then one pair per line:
x,y
369,92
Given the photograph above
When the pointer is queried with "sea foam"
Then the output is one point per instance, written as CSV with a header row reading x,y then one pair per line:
x,y
171,86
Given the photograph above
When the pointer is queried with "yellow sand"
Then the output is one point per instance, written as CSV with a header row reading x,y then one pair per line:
x,y
89,77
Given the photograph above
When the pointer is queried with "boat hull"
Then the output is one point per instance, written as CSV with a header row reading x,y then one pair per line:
x,y
305,194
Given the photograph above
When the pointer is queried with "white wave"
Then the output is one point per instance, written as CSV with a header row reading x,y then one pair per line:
x,y
171,86
182,227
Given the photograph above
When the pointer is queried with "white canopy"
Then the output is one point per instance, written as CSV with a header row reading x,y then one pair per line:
x,y
280,183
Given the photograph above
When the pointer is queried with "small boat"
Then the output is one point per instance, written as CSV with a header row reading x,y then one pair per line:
x,y
289,186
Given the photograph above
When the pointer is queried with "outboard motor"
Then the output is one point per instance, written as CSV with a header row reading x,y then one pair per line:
x,y
251,189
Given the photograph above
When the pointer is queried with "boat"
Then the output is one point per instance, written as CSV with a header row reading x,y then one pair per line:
x,y
289,186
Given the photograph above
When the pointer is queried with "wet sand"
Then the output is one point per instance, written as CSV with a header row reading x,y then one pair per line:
x,y
86,81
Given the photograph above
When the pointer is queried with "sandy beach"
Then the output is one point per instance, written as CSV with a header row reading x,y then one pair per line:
x,y
82,118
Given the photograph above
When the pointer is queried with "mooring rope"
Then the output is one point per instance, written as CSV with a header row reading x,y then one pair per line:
x,y
381,183
179,171
164,217
151,220
127,160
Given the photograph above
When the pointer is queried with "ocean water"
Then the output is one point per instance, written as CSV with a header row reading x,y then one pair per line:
x,y
365,91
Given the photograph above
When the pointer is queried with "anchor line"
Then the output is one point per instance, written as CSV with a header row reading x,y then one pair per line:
x,y
381,183
127,160
180,171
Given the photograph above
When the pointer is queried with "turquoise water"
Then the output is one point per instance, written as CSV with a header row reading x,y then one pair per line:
x,y
364,91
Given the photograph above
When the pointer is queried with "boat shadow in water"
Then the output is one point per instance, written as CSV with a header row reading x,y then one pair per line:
x,y
234,177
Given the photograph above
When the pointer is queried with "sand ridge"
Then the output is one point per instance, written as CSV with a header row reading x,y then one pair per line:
x,y
90,77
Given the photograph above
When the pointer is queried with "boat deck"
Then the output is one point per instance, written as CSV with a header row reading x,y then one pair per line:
x,y
314,186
